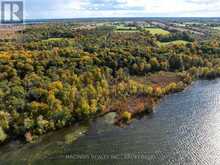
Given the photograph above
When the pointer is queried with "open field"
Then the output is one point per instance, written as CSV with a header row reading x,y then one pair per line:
x,y
126,31
177,42
217,28
158,31
8,32
53,39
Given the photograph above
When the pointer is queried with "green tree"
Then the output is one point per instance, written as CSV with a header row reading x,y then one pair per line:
x,y
154,64
176,62
3,135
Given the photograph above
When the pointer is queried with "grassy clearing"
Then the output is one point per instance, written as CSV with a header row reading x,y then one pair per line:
x,y
159,31
177,42
161,78
217,28
54,39
57,40
126,31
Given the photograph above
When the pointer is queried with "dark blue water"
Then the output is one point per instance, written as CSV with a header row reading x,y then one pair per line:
x,y
184,129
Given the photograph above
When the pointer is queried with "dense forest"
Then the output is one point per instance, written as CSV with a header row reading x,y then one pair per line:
x,y
54,75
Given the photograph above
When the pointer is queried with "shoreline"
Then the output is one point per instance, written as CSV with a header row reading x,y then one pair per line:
x,y
51,137
136,106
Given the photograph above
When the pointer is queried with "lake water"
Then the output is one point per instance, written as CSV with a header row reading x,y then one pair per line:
x,y
184,129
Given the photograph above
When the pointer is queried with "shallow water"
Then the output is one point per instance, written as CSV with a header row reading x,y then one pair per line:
x,y
184,129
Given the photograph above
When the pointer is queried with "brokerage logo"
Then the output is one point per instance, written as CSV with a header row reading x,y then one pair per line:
x,y
12,12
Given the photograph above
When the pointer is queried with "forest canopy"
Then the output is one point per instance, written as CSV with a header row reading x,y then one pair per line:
x,y
55,75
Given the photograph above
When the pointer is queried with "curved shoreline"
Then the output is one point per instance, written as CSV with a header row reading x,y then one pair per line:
x,y
137,106
134,105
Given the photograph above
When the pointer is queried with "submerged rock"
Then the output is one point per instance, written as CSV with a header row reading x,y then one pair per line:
x,y
110,118
73,136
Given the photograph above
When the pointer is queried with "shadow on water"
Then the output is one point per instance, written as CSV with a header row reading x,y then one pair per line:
x,y
184,129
